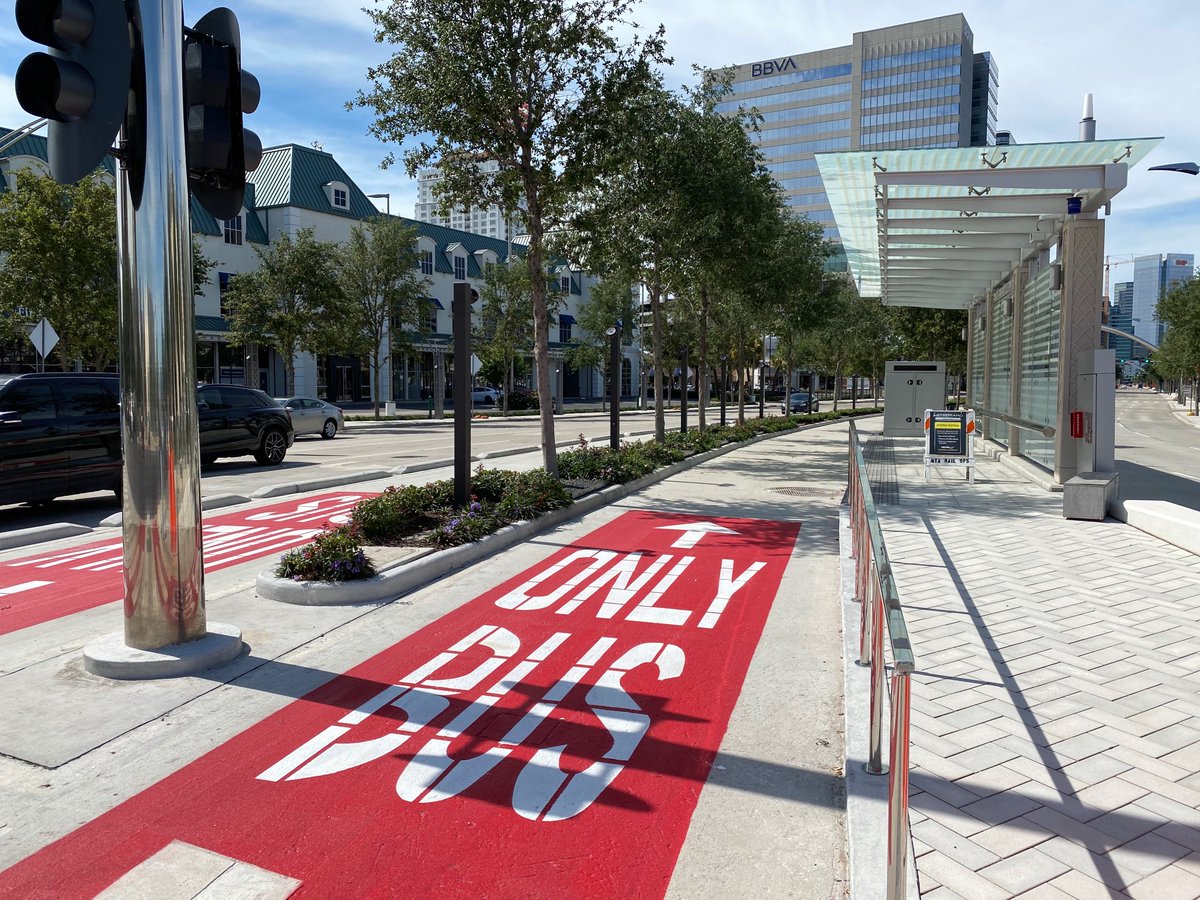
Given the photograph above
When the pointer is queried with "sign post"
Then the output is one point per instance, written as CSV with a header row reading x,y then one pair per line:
x,y
950,439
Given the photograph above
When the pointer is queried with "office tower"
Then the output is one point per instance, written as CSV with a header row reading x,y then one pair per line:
x,y
1120,316
1153,276
906,86
489,221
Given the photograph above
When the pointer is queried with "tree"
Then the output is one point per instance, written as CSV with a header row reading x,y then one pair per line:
x,y
1179,310
60,263
505,320
382,286
535,86
611,302
292,302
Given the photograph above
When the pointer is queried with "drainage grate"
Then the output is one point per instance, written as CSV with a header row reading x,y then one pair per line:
x,y
827,492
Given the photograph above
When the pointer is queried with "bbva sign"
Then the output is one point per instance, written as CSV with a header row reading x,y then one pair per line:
x,y
770,67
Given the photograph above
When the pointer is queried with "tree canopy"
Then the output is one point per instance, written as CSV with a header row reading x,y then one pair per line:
x,y
533,86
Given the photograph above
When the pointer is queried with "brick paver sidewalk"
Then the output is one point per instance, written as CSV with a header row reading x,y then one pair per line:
x,y
1056,706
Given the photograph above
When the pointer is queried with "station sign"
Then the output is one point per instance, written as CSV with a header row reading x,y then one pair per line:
x,y
950,440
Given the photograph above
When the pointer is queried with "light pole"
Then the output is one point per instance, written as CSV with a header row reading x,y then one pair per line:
x,y
463,297
614,386
724,385
1187,168
385,197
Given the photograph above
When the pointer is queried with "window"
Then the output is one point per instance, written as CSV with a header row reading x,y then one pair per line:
x,y
564,284
564,328
32,402
460,268
431,317
224,281
426,262
339,198
233,231
84,398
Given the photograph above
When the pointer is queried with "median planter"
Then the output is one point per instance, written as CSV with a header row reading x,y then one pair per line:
x,y
516,505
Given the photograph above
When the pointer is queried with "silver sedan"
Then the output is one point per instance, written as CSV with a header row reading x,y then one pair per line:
x,y
311,416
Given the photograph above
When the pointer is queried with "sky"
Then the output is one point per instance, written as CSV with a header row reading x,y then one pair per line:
x,y
1138,59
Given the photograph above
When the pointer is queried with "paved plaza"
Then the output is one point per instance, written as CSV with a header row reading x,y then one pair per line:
x,y
1055,707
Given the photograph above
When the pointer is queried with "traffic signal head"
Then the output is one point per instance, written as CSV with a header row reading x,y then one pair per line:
x,y
217,93
82,84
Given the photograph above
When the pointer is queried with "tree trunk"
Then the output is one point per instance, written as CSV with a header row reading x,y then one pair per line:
x,y
439,384
854,392
376,366
541,321
741,356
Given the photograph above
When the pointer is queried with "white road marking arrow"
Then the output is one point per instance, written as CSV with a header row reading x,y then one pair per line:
x,y
693,532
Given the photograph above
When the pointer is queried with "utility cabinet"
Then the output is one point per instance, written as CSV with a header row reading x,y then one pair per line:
x,y
910,388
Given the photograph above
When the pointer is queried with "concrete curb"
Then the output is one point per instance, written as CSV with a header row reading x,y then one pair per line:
x,y
316,484
23,537
393,583
422,466
1170,522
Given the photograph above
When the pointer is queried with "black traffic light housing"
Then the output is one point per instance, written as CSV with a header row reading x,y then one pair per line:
x,y
217,93
82,84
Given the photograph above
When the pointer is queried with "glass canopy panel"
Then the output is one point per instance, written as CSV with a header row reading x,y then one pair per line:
x,y
870,201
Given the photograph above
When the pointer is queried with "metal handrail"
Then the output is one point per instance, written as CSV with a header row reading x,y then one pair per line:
x,y
1026,424
875,588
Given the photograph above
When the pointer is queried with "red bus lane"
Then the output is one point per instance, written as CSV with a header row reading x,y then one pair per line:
x,y
548,738
39,588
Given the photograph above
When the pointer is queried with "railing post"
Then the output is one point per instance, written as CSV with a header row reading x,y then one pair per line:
x,y
866,619
875,764
898,791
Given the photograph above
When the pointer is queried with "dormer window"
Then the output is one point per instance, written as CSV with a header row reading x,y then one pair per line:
x,y
425,261
460,268
564,283
338,195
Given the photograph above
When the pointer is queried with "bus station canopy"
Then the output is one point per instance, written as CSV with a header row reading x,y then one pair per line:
x,y
940,227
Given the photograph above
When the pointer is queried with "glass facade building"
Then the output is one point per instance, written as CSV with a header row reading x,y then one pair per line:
x,y
915,85
1153,276
1120,316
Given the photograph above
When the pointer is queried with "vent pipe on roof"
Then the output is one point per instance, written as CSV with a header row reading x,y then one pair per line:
x,y
1087,125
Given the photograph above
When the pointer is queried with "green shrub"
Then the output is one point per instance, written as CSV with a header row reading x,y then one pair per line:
x,y
396,513
334,555
529,495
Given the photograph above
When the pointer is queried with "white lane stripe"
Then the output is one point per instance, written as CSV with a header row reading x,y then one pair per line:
x,y
19,588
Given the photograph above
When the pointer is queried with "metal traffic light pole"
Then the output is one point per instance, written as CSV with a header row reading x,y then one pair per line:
x,y
165,617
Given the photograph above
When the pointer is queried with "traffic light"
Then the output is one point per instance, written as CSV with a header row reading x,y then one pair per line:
x,y
82,84
217,93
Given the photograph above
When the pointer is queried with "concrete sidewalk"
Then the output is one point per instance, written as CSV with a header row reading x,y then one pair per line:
x,y
1056,706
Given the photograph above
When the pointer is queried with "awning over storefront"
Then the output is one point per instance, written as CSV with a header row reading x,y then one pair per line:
x,y
940,227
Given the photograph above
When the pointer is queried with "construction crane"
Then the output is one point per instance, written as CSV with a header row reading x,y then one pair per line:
x,y
1109,262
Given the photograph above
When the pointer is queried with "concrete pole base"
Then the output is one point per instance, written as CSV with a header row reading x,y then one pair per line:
x,y
109,657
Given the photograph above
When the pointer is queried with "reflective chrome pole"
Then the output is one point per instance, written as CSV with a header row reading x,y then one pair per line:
x,y
897,876
164,580
875,764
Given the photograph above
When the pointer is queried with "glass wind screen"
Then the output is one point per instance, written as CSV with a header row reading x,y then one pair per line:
x,y
1039,366
1000,324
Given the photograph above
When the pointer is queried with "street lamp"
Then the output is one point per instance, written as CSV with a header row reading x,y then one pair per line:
x,y
387,197
1187,168
614,386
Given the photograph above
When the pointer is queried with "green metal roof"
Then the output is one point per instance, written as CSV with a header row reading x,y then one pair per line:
x,y
212,324
939,227
292,175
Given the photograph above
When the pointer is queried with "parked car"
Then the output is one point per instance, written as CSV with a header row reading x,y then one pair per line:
x,y
801,402
60,432
311,416
486,396
236,421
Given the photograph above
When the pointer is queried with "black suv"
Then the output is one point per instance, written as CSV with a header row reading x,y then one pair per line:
x,y
60,432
